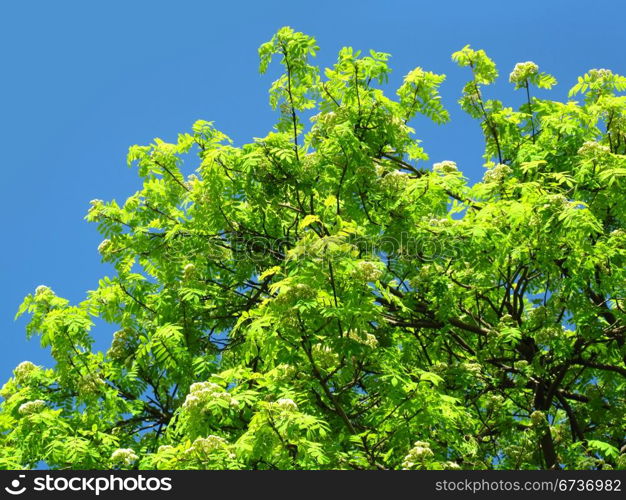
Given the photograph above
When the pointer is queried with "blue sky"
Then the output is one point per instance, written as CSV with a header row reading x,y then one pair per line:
x,y
82,81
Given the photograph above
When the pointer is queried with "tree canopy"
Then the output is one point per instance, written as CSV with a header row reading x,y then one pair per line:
x,y
324,298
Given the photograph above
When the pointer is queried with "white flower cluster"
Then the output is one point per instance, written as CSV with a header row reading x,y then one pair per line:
x,y
548,335
472,368
191,181
557,201
593,148
189,271
538,314
324,356
309,163
445,167
498,173
507,319
32,407
370,340
297,292
201,393
618,238
104,246
538,418
124,456
286,405
43,293
523,71
24,370
122,340
89,384
600,74
164,448
416,455
438,222
367,271
494,400
207,445
366,339
393,180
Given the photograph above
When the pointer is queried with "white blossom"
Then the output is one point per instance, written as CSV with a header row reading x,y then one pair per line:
x,y
24,370
201,393
600,74
367,271
494,400
287,405
363,338
549,334
593,148
208,444
557,201
300,291
370,340
438,222
104,246
393,180
188,271
89,384
416,455
324,356
472,368
538,418
42,290
122,342
125,456
191,180
32,407
522,71
445,167
498,173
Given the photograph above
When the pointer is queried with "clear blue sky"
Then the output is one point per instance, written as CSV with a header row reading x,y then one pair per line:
x,y
82,81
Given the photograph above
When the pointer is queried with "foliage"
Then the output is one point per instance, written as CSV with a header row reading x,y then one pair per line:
x,y
314,299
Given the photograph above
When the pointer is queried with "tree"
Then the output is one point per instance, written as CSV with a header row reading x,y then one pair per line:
x,y
316,299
